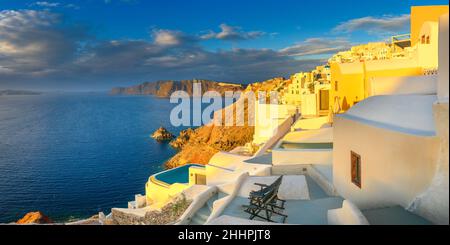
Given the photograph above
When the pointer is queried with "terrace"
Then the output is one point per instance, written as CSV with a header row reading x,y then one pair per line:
x,y
306,204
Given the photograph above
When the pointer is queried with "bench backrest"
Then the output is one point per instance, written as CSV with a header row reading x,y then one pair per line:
x,y
271,192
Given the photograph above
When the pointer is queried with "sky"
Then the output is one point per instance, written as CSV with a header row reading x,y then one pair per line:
x,y
89,45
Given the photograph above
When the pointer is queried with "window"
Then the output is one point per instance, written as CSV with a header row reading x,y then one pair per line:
x,y
356,169
428,39
336,86
200,179
423,39
324,96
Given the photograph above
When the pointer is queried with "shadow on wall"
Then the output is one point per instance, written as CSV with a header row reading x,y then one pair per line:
x,y
345,105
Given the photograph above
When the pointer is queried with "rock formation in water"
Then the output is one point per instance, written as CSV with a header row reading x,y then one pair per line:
x,y
162,134
34,218
165,88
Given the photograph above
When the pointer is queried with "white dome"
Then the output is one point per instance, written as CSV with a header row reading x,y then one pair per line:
x,y
411,114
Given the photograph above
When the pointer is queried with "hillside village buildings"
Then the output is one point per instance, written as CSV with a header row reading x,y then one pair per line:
x,y
370,147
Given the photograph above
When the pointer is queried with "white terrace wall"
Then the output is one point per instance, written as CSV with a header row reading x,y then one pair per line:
x,y
395,167
269,118
433,204
283,128
443,59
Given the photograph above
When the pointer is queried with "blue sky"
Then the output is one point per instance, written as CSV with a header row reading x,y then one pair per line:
x,y
97,44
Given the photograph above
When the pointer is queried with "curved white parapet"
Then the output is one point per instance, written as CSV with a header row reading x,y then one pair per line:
x,y
227,160
349,214
309,136
199,194
232,188
311,123
410,114
225,167
323,179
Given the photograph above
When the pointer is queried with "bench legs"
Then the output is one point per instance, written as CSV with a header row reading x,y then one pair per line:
x,y
269,211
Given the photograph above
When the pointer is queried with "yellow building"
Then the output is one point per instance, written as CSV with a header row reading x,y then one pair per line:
x,y
299,85
347,85
372,51
351,82
422,14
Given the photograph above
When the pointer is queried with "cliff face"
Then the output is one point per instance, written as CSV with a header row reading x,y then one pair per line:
x,y
18,92
166,88
207,141
200,145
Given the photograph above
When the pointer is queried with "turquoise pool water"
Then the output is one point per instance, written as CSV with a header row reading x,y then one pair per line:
x,y
176,175
306,146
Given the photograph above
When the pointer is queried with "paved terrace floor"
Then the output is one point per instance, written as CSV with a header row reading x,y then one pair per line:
x,y
305,212
265,159
393,216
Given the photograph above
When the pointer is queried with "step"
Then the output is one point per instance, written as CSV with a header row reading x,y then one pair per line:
x,y
210,203
203,213
197,220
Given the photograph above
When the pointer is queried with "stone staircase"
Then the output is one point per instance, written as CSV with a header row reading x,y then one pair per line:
x,y
203,214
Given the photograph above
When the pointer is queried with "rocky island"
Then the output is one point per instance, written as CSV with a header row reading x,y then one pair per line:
x,y
34,218
162,135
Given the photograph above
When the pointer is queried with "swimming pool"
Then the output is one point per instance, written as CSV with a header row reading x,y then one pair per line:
x,y
177,175
306,146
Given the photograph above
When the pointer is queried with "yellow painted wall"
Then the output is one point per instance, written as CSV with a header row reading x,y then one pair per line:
x,y
158,194
350,84
389,68
427,53
353,79
421,14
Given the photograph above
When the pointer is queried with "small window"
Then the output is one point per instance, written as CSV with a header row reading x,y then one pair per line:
x,y
336,86
423,39
356,169
200,179
428,39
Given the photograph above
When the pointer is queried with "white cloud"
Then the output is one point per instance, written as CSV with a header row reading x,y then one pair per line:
x,y
168,37
373,25
232,33
47,4
31,41
36,46
316,46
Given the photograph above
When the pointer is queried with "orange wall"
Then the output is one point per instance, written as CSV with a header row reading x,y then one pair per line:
x,y
421,14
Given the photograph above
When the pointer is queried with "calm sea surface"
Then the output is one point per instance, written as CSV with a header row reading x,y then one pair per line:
x,y
73,155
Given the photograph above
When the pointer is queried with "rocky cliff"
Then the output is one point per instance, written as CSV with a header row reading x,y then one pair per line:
x,y
199,145
18,92
166,88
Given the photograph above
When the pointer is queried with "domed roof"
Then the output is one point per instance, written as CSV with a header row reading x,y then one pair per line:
x,y
411,114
